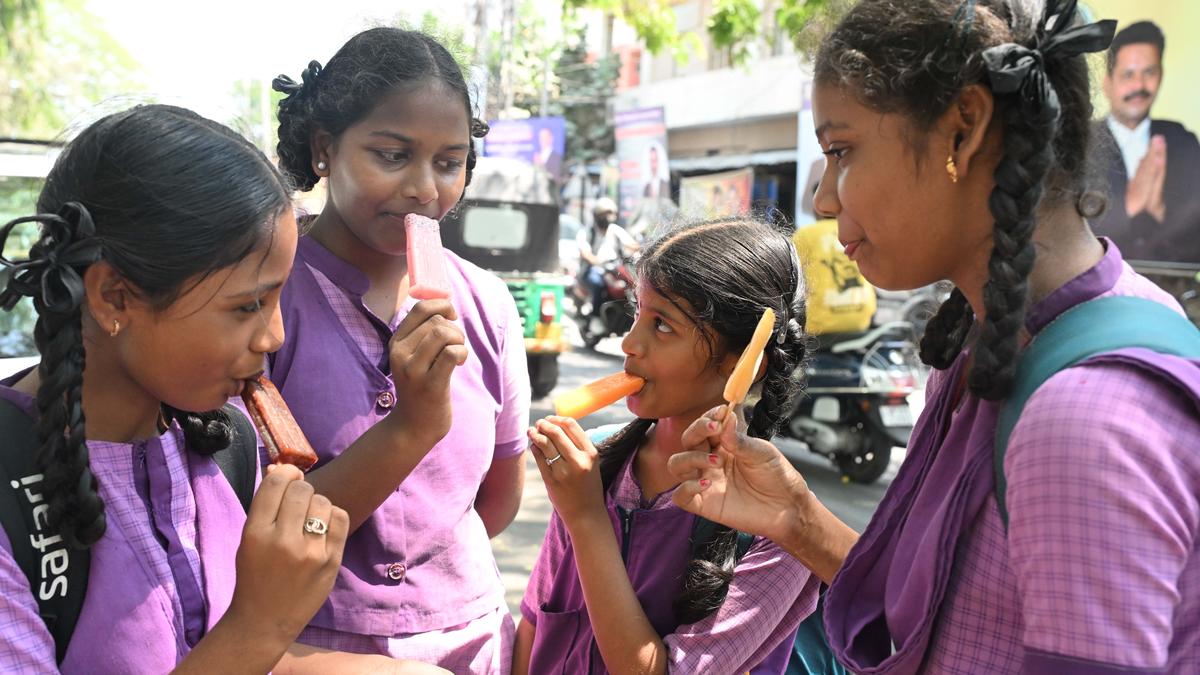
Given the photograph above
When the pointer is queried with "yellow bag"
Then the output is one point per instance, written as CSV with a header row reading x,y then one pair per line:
x,y
839,298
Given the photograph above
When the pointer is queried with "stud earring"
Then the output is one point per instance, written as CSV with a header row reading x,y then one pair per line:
x,y
952,169
321,166
115,329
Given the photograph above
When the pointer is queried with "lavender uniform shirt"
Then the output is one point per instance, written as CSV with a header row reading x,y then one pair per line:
x,y
1099,570
422,562
160,577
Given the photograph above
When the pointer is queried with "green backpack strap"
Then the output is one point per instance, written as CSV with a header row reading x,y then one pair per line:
x,y
1097,327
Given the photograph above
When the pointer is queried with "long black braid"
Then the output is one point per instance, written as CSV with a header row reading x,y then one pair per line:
x,y
914,59
727,273
165,197
370,66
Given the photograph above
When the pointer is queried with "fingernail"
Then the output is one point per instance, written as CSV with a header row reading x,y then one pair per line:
x,y
712,459
713,426
704,483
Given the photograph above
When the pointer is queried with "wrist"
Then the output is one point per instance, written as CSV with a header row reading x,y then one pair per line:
x,y
586,524
258,640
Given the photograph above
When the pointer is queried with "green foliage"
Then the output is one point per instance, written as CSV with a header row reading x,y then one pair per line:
x,y
18,198
54,74
733,25
16,17
584,91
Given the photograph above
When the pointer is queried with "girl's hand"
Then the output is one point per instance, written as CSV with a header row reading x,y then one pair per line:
x,y
738,481
570,468
284,573
423,354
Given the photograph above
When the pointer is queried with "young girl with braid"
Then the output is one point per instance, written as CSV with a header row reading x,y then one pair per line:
x,y
164,241
387,125
619,585
957,133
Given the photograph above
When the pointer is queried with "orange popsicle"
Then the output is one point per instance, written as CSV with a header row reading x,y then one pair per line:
x,y
747,366
589,398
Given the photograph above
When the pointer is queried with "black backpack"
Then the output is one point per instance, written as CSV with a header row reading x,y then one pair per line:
x,y
57,573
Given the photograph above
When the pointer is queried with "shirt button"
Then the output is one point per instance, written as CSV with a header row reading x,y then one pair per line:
x,y
396,571
386,399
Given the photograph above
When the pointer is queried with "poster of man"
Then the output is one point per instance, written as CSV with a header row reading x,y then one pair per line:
x,y
540,141
716,195
1153,164
645,186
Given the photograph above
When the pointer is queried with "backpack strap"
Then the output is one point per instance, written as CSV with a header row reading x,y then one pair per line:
x,y
57,574
1097,327
239,461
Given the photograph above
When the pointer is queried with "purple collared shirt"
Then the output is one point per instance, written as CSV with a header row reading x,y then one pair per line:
x,y
422,562
1100,568
770,594
161,576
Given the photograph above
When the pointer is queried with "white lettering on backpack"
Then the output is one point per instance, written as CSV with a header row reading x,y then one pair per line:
x,y
55,559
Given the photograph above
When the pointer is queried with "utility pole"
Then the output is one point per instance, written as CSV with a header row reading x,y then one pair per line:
x,y
507,29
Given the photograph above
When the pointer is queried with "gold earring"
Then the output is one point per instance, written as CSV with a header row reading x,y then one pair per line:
x,y
952,169
115,329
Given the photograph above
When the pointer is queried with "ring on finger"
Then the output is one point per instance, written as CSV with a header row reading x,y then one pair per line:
x,y
314,525
551,460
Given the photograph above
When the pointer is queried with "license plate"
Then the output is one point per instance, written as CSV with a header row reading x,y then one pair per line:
x,y
896,416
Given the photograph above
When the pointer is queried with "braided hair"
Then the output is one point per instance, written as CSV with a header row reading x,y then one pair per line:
x,y
727,272
365,70
164,196
914,58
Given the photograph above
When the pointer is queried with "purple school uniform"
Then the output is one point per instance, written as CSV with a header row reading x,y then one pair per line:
x,y
422,562
1099,570
160,577
770,595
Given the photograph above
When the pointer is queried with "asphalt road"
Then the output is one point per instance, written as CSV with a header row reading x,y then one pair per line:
x,y
517,547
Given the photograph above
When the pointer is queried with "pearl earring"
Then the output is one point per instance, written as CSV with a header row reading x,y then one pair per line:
x,y
321,166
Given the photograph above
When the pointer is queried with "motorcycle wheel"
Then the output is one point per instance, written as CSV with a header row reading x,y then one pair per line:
x,y
870,462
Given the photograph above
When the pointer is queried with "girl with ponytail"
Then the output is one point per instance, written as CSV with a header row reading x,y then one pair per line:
x,y
619,583
386,125
164,241
1068,541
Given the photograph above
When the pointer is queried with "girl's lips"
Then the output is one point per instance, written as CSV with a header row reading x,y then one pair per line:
x,y
852,247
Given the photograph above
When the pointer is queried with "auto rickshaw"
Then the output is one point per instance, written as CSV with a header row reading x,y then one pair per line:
x,y
508,224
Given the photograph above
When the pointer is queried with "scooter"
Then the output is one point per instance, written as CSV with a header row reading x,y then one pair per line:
x,y
615,316
855,408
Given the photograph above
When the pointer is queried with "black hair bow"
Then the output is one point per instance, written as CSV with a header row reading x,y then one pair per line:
x,y
308,81
1014,68
51,275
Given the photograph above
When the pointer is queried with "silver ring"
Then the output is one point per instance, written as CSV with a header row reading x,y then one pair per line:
x,y
551,460
316,526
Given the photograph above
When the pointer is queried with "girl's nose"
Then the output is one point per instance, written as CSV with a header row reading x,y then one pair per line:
x,y
420,185
825,201
270,338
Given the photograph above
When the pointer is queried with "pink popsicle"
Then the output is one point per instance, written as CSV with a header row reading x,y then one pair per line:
x,y
426,267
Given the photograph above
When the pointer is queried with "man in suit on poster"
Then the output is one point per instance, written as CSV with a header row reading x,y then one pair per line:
x,y
1154,172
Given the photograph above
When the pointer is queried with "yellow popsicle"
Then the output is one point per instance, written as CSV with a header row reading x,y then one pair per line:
x,y
589,398
743,374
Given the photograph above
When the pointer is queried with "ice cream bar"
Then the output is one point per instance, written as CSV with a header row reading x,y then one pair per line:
x,y
284,440
426,266
589,398
747,366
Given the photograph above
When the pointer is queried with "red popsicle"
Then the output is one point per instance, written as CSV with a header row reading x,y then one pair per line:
x,y
426,266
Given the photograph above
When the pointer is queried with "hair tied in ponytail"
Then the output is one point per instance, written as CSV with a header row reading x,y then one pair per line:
x,y
298,90
68,244
1013,68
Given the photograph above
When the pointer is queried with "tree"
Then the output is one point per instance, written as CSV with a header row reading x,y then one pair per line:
x,y
584,89
58,68
15,17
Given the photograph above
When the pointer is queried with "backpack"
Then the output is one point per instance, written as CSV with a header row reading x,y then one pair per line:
x,y
57,573
1097,327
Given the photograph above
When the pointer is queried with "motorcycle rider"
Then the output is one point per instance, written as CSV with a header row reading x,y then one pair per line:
x,y
602,243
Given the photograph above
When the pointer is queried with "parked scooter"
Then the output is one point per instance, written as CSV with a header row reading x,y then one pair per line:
x,y
615,316
855,408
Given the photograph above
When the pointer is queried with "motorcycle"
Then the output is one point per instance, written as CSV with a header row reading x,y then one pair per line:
x,y
855,408
615,316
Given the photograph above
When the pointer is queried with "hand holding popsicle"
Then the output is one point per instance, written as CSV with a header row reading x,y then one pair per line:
x,y
426,265
746,369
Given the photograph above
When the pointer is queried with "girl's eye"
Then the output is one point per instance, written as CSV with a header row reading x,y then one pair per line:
x,y
451,165
662,326
836,153
392,156
252,308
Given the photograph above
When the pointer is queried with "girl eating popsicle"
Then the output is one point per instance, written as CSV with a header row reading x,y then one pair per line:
x,y
619,585
387,124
